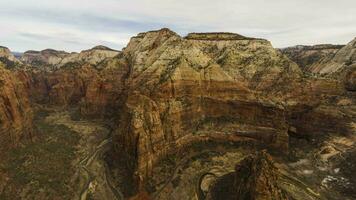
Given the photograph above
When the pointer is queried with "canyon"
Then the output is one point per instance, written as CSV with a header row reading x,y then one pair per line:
x,y
172,117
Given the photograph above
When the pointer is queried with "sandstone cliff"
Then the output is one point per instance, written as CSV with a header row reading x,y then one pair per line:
x,y
306,56
206,84
7,58
15,111
92,56
209,85
94,90
54,59
45,57
346,56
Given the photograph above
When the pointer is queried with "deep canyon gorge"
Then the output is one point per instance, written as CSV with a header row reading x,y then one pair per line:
x,y
205,116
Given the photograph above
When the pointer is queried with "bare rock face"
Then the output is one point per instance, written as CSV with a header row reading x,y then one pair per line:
x,y
7,58
103,93
346,56
53,59
306,56
178,86
92,56
45,57
215,36
95,89
255,178
15,111
91,79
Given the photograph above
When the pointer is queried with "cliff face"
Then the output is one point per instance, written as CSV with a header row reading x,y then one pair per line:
x,y
306,56
103,93
15,111
346,56
43,58
54,59
181,89
95,89
92,56
7,58
5,53
255,178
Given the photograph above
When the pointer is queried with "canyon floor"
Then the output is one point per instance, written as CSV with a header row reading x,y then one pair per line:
x,y
65,162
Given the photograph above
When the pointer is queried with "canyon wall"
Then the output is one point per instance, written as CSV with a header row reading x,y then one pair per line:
x,y
15,111
306,56
181,89
164,92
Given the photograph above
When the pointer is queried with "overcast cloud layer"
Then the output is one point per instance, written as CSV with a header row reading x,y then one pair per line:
x,y
74,25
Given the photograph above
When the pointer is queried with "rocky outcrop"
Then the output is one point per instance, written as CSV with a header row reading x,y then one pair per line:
x,y
47,57
7,58
92,56
180,88
95,89
216,36
15,111
255,178
52,59
103,93
306,56
346,56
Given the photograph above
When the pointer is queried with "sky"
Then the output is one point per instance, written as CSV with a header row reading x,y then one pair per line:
x,y
75,25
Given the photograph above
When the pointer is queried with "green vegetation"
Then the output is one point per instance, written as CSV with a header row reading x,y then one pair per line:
x,y
45,164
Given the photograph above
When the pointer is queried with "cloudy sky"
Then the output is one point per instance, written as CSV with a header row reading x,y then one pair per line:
x,y
73,25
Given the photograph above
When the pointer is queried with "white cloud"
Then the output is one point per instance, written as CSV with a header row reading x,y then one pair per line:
x,y
75,25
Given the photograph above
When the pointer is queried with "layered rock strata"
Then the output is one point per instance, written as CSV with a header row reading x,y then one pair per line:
x,y
53,59
179,88
346,56
306,56
15,111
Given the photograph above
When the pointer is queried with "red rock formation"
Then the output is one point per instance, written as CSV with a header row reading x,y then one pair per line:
x,y
103,93
96,89
15,111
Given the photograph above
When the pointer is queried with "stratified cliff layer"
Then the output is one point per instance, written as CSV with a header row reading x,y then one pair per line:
x,y
182,88
92,79
15,111
53,59
346,56
306,56
44,57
